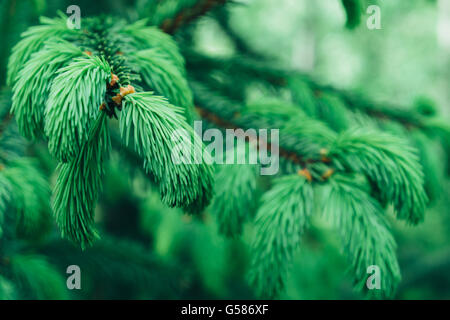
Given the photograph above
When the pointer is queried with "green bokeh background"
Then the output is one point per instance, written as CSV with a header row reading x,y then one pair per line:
x,y
178,256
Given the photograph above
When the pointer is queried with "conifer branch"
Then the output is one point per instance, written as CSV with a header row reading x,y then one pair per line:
x,y
85,79
245,67
160,74
390,164
236,188
280,222
236,120
354,175
150,124
78,185
73,103
29,195
24,190
34,39
367,240
34,84
261,66
145,37
230,124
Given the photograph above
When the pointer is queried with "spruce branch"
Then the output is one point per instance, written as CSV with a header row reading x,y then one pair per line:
x,y
280,221
120,75
390,164
34,84
303,87
364,232
250,63
159,73
236,188
33,39
430,152
223,123
150,123
385,111
24,190
78,185
29,196
228,114
145,37
75,96
325,156
91,81
386,160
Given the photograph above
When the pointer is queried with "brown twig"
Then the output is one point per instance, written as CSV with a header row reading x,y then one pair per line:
x,y
278,77
287,154
190,14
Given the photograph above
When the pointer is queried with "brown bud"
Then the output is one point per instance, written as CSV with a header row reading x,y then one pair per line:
x,y
305,173
117,99
114,80
324,153
327,174
127,90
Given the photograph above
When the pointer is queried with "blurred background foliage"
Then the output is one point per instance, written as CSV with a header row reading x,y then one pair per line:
x,y
150,251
